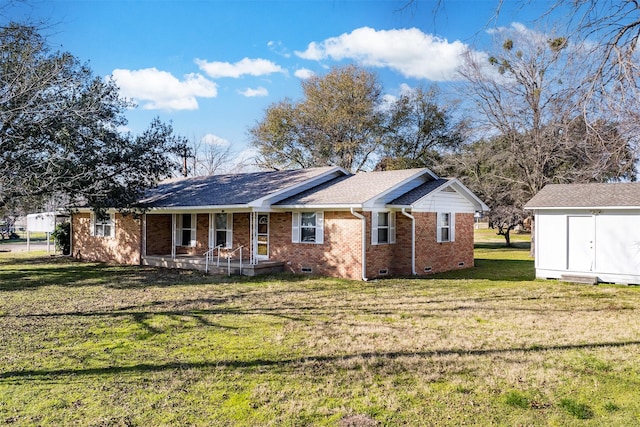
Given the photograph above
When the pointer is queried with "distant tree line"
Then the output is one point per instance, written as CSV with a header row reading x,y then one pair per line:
x,y
529,118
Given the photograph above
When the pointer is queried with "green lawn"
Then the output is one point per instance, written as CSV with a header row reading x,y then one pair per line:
x,y
99,345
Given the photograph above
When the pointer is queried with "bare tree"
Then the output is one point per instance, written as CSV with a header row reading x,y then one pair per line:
x,y
529,101
204,156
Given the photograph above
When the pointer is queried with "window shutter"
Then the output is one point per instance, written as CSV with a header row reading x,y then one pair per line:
x,y
112,220
438,227
229,230
194,226
392,227
452,227
295,227
320,227
92,224
374,227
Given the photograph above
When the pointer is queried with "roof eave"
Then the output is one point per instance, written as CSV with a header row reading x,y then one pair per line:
x,y
173,209
320,206
559,208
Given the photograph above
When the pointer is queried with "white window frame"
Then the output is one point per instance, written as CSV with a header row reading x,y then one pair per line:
x,y
98,225
442,226
391,226
213,230
180,230
297,226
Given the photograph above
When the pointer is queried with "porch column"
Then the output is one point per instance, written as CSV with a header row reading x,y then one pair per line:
x,y
253,238
173,236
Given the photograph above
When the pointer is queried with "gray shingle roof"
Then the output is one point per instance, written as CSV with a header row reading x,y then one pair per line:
x,y
418,193
617,194
353,189
226,190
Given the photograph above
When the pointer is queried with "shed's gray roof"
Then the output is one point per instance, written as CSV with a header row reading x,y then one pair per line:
x,y
227,190
418,193
619,194
352,190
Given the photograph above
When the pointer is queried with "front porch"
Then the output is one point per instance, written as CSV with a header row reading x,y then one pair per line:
x,y
231,266
235,242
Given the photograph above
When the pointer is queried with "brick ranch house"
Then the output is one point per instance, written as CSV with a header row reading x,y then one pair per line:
x,y
323,221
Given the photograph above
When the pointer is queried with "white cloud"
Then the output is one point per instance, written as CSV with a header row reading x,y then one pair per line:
x,y
278,48
160,90
405,89
409,51
215,140
303,73
246,66
259,91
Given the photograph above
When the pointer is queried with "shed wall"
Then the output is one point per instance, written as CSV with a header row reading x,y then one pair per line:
x,y
614,255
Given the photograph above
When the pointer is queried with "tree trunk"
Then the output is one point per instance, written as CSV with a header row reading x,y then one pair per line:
x,y
532,251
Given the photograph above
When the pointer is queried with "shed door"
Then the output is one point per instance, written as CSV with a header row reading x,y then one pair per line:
x,y
580,243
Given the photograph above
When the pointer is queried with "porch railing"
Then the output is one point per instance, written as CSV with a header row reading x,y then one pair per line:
x,y
209,256
230,255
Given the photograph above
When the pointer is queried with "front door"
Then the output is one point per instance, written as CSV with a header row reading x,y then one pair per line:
x,y
263,236
580,241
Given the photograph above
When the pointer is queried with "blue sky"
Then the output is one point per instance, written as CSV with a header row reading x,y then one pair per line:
x,y
212,67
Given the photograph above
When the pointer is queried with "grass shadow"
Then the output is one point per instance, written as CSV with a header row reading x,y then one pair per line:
x,y
284,363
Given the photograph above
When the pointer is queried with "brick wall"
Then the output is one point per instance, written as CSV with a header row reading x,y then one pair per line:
x,y
447,255
338,256
241,233
159,234
124,248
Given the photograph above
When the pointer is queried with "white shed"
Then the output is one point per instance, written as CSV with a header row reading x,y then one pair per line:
x,y
588,232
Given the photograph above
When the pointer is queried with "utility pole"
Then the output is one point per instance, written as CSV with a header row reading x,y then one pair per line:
x,y
185,155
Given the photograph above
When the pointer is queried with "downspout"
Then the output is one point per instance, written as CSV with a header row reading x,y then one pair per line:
x,y
364,243
413,240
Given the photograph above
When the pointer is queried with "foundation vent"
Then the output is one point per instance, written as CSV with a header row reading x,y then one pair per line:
x,y
427,269
383,272
306,270
461,264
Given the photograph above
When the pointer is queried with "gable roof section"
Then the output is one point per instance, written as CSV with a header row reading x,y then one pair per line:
x,y
408,199
359,190
247,189
419,194
622,195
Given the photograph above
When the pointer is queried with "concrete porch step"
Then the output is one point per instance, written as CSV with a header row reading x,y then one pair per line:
x,y
198,263
580,278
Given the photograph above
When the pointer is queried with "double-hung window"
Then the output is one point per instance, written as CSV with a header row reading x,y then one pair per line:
x,y
383,227
222,230
103,226
186,230
446,227
307,227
